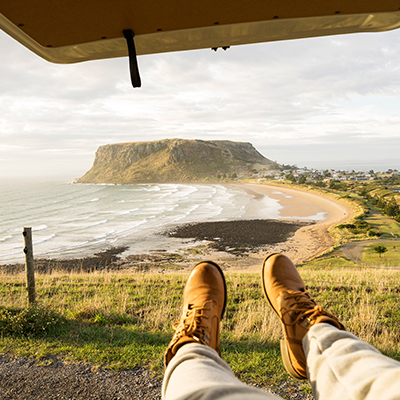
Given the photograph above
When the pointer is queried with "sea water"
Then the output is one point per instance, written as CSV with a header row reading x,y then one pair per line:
x,y
75,220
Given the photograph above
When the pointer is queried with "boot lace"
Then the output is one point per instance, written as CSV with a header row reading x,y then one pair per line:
x,y
305,308
192,324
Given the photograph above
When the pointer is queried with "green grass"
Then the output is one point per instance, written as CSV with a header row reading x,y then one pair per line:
x,y
369,223
387,226
120,320
333,259
389,259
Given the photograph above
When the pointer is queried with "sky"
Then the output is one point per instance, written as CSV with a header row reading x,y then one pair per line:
x,y
331,102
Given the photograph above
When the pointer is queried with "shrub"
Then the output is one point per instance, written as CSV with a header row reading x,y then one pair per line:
x,y
380,250
346,226
337,185
320,184
30,321
357,227
302,179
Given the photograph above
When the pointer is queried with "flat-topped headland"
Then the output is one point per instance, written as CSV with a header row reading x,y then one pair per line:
x,y
174,160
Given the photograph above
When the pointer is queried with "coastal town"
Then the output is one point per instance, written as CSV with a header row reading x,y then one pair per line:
x,y
324,176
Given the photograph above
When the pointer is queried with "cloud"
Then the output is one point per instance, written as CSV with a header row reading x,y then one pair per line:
x,y
315,100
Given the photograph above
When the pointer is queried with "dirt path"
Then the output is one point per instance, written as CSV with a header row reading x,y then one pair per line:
x,y
353,251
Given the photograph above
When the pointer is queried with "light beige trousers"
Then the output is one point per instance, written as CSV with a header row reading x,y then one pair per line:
x,y
340,366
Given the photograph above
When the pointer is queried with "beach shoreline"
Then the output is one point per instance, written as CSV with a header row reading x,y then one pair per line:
x,y
295,206
308,241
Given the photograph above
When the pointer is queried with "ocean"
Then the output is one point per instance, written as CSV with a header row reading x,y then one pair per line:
x,y
76,220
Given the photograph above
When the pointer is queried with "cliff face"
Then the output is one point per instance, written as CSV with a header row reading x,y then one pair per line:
x,y
173,160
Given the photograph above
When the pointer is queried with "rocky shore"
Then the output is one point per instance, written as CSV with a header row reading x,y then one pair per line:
x,y
238,237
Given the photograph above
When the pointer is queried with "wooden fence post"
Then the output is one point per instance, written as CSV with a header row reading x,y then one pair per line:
x,y
30,274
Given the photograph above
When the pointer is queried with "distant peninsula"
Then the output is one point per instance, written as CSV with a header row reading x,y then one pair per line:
x,y
175,160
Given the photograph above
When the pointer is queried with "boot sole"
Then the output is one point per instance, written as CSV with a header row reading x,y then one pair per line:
x,y
287,363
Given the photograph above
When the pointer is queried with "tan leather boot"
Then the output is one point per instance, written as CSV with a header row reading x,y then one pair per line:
x,y
204,301
285,292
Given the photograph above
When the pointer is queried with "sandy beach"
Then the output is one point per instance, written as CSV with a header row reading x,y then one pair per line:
x,y
308,241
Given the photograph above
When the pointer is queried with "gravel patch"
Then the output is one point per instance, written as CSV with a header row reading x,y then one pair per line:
x,y
52,378
23,378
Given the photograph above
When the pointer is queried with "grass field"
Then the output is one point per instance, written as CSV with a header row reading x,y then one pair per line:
x,y
387,226
122,320
389,259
